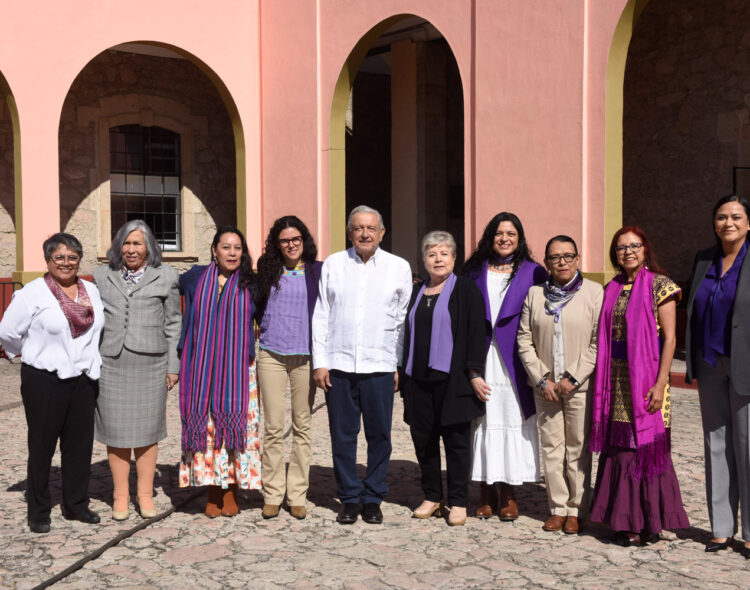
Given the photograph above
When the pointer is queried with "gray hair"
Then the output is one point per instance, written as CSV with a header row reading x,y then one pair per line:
x,y
438,238
364,209
53,242
153,252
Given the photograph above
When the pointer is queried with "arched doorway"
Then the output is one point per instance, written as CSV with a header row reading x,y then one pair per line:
x,y
148,131
10,186
398,118
686,122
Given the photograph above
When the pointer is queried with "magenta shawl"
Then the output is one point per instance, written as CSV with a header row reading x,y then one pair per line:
x,y
652,446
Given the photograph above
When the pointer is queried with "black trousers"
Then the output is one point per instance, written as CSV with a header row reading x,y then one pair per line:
x,y
58,409
426,431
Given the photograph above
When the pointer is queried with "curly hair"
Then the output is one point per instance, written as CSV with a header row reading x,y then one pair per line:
x,y
485,250
247,276
271,262
649,258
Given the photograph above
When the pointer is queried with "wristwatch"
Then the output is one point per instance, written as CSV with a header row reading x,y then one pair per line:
x,y
570,378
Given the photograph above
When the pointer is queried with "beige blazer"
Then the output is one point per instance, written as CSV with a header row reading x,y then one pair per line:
x,y
580,321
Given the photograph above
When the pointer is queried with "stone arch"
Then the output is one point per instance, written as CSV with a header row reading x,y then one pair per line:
x,y
10,180
152,85
614,104
416,222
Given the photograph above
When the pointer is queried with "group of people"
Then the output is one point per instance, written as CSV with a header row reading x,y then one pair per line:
x,y
519,368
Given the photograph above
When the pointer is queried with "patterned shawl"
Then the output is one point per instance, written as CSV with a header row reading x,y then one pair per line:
x,y
652,445
215,364
80,314
558,297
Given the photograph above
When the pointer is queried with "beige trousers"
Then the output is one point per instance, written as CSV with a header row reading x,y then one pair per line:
x,y
274,372
563,433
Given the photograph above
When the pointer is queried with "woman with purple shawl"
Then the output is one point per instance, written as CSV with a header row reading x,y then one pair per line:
x,y
443,347
506,449
218,391
636,492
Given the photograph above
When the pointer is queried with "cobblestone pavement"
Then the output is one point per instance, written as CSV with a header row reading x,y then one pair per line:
x,y
186,550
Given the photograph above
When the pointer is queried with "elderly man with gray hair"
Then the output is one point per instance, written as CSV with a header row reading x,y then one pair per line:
x,y
358,330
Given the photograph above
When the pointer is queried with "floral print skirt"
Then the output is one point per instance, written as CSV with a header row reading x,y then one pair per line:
x,y
219,467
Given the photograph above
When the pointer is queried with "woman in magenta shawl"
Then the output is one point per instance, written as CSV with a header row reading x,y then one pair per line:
x,y
637,492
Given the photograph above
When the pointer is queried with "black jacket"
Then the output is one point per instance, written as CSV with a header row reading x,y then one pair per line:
x,y
466,308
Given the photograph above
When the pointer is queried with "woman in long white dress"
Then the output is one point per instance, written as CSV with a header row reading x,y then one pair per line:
x,y
505,443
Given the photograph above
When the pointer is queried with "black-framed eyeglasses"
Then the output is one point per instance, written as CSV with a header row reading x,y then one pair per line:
x,y
60,259
634,248
555,258
296,241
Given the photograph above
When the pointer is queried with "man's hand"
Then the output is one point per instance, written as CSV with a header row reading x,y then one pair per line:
x,y
395,382
322,378
172,380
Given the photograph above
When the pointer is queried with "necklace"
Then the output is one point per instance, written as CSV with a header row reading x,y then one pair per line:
x,y
501,267
428,299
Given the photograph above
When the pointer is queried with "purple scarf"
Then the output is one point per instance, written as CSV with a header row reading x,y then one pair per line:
x,y
80,314
652,447
215,364
441,337
557,297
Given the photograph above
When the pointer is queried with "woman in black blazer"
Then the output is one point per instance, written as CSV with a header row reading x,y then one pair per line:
x,y
444,350
717,350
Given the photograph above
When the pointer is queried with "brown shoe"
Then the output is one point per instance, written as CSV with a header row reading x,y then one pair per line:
x,y
554,523
487,500
298,512
230,506
270,511
213,501
572,525
508,506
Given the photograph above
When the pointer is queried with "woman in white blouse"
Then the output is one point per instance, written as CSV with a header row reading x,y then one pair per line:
x,y
55,322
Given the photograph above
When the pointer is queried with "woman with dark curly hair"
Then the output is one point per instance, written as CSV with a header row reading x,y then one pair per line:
x,y
505,438
218,392
288,277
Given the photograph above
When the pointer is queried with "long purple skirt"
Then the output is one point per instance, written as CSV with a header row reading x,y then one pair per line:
x,y
636,505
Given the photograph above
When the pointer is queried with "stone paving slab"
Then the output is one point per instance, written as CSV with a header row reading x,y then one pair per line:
x,y
186,550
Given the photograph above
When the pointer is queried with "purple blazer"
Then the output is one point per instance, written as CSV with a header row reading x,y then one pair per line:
x,y
505,326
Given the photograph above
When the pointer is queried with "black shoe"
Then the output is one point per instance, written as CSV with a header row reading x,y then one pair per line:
x,y
86,516
745,552
348,513
714,546
371,514
39,526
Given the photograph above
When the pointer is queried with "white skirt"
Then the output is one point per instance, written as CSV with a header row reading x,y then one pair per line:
x,y
506,445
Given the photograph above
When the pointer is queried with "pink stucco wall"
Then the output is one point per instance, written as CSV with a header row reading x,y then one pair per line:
x,y
533,75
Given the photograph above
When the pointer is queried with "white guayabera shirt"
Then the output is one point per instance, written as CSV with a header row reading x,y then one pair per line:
x,y
358,324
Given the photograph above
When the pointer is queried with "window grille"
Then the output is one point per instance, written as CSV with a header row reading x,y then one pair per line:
x,y
145,181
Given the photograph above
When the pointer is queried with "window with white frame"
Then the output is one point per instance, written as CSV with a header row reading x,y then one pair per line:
x,y
144,175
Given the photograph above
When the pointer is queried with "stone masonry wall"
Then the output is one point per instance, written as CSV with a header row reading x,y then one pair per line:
x,y
165,81
687,107
7,197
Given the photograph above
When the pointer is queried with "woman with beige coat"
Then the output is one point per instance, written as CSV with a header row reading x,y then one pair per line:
x,y
557,346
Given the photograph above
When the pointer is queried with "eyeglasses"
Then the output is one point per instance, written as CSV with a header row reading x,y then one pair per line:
x,y
296,241
60,259
568,258
634,248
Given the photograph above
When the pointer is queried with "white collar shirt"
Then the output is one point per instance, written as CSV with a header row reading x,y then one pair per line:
x,y
358,324
35,327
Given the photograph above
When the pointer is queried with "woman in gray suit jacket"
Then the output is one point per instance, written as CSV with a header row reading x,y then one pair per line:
x,y
139,359
718,347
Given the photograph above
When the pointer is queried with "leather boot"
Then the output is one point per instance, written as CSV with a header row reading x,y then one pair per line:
x,y
213,501
487,500
230,506
508,506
